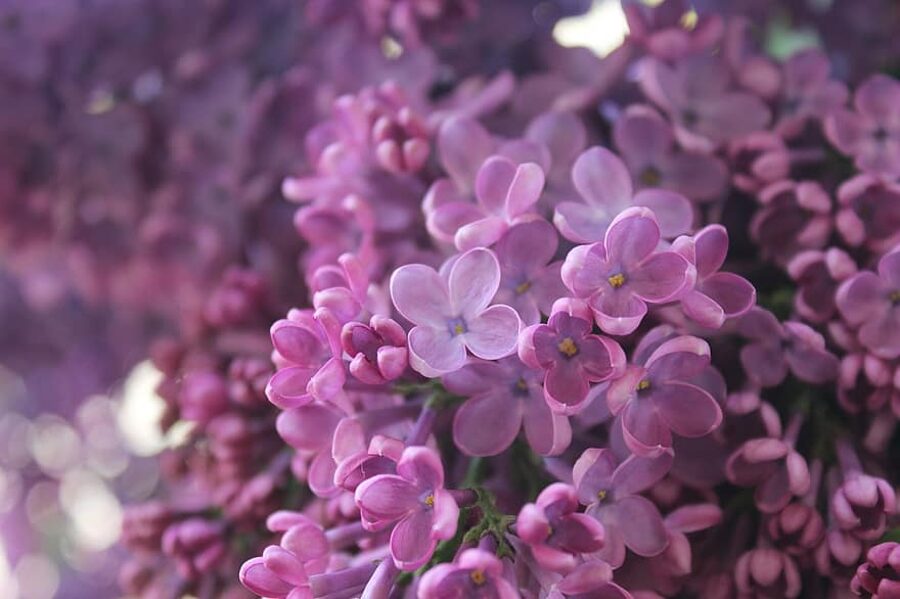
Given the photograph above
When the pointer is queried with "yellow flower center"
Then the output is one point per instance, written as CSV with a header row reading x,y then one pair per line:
x,y
567,347
643,385
650,177
689,20
523,287
478,577
601,494
429,501
459,329
521,384
617,280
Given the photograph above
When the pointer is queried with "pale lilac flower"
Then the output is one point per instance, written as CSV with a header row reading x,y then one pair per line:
x,y
283,570
610,490
871,132
772,466
658,397
343,288
309,356
793,217
818,274
622,274
593,579
765,572
475,573
529,282
647,145
571,357
777,348
695,94
357,462
454,315
555,532
716,295
377,351
670,30
604,184
414,499
504,397
872,302
869,212
807,92
878,576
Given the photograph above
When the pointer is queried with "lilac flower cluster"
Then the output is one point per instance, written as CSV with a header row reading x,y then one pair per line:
x,y
454,311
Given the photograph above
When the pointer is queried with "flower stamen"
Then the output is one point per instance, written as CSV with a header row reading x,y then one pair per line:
x,y
478,577
567,347
616,280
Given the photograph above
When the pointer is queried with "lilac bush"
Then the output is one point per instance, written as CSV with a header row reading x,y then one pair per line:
x,y
442,308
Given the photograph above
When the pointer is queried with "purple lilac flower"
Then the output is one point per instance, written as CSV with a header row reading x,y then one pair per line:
x,y
807,92
571,358
818,274
863,503
454,315
793,217
610,490
310,428
555,532
604,184
767,572
797,529
529,281
758,160
669,31
378,350
196,545
658,397
647,144
869,212
283,570
704,111
777,348
869,133
415,502
871,302
504,397
622,274
879,576
716,295
475,573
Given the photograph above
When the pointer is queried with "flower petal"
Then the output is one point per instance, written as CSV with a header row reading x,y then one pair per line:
x,y
473,281
387,497
686,409
602,179
412,543
492,334
420,295
488,423
433,352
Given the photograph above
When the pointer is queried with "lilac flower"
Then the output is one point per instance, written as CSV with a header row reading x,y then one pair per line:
x,y
758,160
767,572
593,579
475,573
772,466
203,396
872,302
694,93
879,575
863,503
604,184
793,217
528,283
807,92
571,358
669,31
870,133
378,350
716,295
309,356
310,428
778,347
797,529
838,555
454,315
818,274
658,397
869,212
414,499
555,532
610,490
504,397
647,145
196,545
283,570
622,274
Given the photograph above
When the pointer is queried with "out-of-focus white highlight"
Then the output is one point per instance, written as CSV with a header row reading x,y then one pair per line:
x,y
141,410
36,577
601,29
94,512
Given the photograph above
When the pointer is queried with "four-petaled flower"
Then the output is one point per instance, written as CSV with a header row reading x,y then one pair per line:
x,y
454,315
476,574
622,274
872,302
414,499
